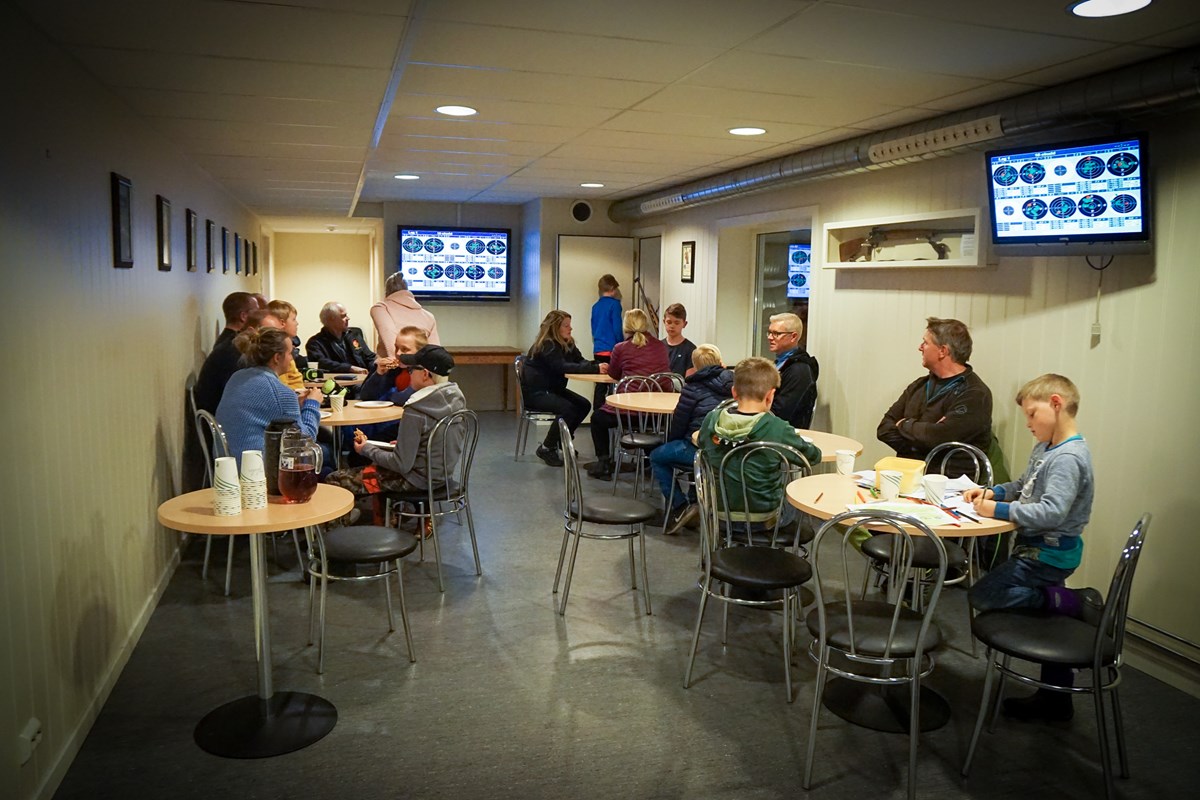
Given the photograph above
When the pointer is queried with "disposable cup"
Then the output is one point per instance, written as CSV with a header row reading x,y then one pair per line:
x,y
889,483
845,461
935,488
337,402
252,466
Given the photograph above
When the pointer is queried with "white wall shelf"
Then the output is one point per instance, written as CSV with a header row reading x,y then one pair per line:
x,y
932,239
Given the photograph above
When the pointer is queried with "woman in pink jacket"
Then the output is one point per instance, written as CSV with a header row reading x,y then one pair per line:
x,y
399,309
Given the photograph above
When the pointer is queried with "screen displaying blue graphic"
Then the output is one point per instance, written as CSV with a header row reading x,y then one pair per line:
x,y
799,276
1083,192
448,263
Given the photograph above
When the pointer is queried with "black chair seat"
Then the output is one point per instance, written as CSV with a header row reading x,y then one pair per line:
x,y
872,622
368,544
879,548
421,495
610,510
759,567
1040,636
641,441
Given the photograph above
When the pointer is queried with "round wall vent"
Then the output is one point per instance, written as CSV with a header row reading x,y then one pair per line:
x,y
581,210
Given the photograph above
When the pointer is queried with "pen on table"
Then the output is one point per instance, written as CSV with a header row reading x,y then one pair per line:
x,y
822,494
861,499
971,517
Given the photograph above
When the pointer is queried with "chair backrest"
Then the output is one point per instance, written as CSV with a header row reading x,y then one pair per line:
x,y
213,443
745,473
962,459
572,486
519,369
873,635
453,440
668,381
1110,636
807,408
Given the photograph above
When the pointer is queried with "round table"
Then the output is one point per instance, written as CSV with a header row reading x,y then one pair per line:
x,y
352,414
270,723
830,443
590,377
341,379
879,708
648,402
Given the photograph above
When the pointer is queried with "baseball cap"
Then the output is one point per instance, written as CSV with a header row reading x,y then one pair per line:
x,y
431,357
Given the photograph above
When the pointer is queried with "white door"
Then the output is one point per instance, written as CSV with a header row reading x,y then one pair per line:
x,y
581,262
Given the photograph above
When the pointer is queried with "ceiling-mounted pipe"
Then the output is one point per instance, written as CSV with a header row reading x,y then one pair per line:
x,y
1160,84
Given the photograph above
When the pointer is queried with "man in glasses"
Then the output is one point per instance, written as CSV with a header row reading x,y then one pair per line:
x,y
948,404
798,370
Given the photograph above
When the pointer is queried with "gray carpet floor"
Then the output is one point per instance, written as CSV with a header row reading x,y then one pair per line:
x,y
509,700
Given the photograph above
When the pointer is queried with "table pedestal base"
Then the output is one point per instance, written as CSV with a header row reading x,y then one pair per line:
x,y
255,728
883,708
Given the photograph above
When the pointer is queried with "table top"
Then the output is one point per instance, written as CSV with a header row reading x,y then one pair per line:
x,y
588,377
825,496
193,513
351,414
353,380
652,402
830,442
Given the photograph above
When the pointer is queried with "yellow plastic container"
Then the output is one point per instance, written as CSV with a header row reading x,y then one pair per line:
x,y
911,471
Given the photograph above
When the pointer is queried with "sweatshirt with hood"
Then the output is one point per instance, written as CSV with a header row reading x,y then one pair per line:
x,y
411,458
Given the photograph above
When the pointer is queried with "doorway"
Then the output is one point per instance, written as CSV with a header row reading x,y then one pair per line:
x,y
783,276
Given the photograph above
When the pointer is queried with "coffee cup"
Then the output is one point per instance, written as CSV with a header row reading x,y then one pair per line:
x,y
337,402
935,488
889,483
845,461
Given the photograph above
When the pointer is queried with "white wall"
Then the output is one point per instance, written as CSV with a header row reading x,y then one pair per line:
x,y
95,430
1027,316
312,269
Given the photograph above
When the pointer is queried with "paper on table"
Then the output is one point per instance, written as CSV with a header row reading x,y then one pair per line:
x,y
382,445
866,477
930,515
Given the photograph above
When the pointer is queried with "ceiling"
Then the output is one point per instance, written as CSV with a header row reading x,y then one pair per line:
x,y
307,107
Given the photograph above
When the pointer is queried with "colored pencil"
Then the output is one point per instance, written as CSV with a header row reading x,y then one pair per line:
x,y
822,494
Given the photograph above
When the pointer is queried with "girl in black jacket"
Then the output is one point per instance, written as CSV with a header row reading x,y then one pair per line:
x,y
544,381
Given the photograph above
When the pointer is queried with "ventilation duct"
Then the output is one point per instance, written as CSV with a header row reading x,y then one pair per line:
x,y
1159,85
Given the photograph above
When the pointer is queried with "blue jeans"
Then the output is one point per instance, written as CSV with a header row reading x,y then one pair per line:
x,y
1017,583
664,458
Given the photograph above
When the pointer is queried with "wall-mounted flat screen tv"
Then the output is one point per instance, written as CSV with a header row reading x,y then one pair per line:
x,y
798,271
452,263
1080,197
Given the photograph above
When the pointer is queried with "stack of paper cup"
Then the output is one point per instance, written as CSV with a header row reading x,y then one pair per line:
x,y
254,480
227,493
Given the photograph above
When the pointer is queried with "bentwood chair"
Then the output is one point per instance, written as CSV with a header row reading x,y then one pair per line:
x,y
1042,637
638,432
334,555
668,381
628,513
682,478
526,416
742,573
878,643
453,439
213,445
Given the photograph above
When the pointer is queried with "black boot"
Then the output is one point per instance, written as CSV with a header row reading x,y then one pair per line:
x,y
602,469
549,455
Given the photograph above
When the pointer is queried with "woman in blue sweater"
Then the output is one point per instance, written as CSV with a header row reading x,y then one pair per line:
x,y
255,396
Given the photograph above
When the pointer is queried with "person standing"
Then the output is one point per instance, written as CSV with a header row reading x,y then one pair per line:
x,y
400,309
679,349
949,404
606,328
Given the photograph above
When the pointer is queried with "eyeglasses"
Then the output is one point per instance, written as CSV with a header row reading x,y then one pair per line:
x,y
777,334
414,368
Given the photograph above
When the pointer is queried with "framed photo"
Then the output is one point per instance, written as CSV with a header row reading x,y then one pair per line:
x,y
254,255
210,232
224,249
122,220
246,255
189,230
237,254
164,233
687,263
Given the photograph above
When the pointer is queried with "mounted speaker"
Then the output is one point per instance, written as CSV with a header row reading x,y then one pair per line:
x,y
581,210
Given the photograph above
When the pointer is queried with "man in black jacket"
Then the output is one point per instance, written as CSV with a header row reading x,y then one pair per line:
x,y
797,392
337,347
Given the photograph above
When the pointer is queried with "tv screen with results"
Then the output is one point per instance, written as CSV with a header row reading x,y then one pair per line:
x,y
452,263
799,271
1085,191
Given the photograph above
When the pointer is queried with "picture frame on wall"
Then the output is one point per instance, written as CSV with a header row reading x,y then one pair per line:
x,y
254,254
189,235
687,263
163,206
210,232
237,254
122,220
246,255
224,249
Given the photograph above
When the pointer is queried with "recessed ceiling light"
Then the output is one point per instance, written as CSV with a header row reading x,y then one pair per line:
x,y
407,177
456,111
1107,8
747,131
592,185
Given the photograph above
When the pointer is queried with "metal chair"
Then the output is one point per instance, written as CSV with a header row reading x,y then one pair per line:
x,y
879,643
741,573
1046,638
525,416
668,381
213,445
638,432
447,493
598,510
347,547
684,477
